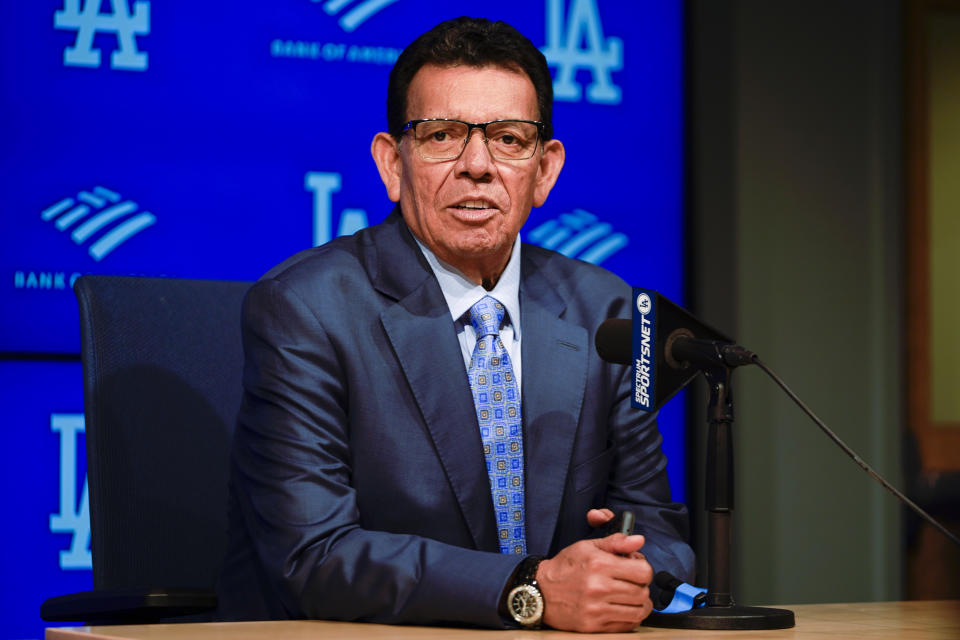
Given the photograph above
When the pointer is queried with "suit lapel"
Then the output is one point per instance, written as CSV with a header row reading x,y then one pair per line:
x,y
424,339
554,376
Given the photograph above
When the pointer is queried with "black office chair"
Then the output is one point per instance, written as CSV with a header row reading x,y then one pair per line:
x,y
162,364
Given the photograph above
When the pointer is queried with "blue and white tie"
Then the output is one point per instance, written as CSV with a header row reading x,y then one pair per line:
x,y
497,400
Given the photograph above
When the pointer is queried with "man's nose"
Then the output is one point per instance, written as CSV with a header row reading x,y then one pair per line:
x,y
475,160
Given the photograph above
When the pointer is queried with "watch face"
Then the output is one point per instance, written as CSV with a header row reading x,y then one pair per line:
x,y
526,604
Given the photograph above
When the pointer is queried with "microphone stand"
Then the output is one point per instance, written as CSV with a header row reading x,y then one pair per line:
x,y
720,611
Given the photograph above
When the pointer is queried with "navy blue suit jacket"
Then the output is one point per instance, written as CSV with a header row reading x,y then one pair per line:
x,y
358,488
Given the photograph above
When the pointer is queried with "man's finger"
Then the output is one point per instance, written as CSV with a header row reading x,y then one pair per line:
x,y
620,544
628,589
630,566
599,517
620,617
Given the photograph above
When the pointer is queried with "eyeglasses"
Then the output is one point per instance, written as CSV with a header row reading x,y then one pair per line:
x,y
444,139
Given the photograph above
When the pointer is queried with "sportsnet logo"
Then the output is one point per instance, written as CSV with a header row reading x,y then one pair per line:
x,y
580,235
355,15
75,213
88,21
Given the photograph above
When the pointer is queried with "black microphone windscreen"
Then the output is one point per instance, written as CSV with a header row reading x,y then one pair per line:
x,y
614,340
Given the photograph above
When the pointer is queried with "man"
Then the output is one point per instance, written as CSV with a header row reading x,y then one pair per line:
x,y
377,474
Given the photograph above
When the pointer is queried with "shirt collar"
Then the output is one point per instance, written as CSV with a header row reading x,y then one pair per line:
x,y
461,293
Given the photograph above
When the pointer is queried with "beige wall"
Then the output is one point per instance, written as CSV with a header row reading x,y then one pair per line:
x,y
796,215
943,32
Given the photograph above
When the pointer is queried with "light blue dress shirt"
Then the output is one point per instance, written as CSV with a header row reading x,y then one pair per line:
x,y
461,293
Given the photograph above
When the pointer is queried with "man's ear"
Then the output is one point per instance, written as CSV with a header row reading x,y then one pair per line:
x,y
551,161
386,153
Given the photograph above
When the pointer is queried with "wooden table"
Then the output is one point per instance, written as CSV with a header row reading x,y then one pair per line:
x,y
921,620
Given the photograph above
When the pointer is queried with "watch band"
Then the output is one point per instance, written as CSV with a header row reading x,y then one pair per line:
x,y
524,602
527,570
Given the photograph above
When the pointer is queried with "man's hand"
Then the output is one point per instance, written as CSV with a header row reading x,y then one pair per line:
x,y
597,585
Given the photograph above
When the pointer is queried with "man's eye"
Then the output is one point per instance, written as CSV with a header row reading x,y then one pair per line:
x,y
508,139
438,136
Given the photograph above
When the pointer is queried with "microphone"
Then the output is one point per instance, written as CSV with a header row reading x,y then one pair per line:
x,y
667,347
614,341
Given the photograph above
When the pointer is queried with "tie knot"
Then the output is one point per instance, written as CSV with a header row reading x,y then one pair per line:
x,y
486,316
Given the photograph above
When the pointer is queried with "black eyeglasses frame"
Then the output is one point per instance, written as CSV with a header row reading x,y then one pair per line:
x,y
412,125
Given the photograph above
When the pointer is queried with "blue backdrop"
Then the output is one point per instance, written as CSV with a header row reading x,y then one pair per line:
x,y
212,140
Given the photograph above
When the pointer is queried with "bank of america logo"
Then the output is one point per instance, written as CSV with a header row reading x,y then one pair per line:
x,y
100,216
353,13
580,235
88,21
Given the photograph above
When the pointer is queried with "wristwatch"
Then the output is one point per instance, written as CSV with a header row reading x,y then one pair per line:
x,y
524,600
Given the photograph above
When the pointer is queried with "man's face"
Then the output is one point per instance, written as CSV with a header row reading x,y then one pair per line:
x,y
468,210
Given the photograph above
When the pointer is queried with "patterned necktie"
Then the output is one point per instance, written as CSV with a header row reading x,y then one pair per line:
x,y
497,400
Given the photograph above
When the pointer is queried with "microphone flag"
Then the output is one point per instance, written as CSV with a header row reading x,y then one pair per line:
x,y
657,324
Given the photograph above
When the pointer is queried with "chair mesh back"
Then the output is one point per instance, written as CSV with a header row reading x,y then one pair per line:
x,y
162,365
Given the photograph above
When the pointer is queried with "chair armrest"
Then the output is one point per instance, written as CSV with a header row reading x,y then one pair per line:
x,y
127,605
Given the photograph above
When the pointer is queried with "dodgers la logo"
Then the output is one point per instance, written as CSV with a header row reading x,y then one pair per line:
x,y
324,185
87,21
74,516
600,56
